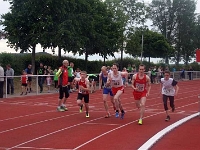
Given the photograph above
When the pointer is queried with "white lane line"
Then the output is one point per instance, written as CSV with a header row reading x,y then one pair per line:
x,y
105,133
51,133
107,124
27,115
97,137
147,145
31,124
41,148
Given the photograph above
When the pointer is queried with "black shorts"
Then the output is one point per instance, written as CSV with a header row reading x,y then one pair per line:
x,y
85,96
70,79
62,91
24,84
29,78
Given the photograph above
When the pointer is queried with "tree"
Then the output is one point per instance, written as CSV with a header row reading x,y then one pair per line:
x,y
175,19
98,33
197,32
155,44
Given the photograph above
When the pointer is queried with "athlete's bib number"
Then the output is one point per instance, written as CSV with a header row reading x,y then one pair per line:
x,y
116,82
166,91
140,87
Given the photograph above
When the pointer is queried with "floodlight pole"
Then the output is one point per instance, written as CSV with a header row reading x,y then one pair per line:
x,y
142,45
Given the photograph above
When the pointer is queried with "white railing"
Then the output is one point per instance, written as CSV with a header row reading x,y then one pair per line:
x,y
33,76
175,75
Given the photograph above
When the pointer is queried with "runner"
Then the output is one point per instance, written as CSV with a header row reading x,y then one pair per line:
x,y
83,92
115,81
106,90
140,82
169,90
63,86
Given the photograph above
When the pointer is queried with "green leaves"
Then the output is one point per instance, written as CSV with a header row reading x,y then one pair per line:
x,y
155,45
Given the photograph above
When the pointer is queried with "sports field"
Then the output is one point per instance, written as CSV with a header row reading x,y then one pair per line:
x,y
32,123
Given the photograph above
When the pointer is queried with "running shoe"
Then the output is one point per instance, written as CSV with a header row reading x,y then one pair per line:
x,y
87,115
81,109
167,118
60,109
117,114
140,121
64,108
122,115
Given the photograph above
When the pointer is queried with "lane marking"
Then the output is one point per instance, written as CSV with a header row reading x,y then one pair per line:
x,y
97,137
107,124
41,148
147,145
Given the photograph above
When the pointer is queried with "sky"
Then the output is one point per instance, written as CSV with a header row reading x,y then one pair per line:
x,y
4,8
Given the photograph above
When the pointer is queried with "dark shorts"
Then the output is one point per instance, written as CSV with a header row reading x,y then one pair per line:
x,y
85,96
62,91
24,84
70,79
29,79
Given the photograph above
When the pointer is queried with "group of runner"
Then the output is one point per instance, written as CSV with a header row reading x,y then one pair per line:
x,y
111,83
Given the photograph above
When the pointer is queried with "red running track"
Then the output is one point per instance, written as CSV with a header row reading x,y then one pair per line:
x,y
32,122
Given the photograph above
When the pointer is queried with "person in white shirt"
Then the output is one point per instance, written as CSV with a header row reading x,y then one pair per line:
x,y
169,89
1,81
115,81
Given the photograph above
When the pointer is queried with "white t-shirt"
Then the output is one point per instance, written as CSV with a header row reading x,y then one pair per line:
x,y
168,86
116,80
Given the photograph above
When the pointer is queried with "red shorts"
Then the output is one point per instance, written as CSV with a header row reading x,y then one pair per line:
x,y
114,89
139,95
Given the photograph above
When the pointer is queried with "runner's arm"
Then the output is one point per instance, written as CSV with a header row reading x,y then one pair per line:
x,y
176,89
100,81
148,84
133,81
109,79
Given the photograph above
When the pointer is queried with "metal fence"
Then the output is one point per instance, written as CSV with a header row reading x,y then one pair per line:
x,y
176,75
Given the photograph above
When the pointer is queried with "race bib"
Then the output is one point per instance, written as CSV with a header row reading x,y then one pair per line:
x,y
140,87
116,82
166,91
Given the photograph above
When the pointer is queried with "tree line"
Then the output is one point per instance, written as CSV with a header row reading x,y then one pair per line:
x,y
104,27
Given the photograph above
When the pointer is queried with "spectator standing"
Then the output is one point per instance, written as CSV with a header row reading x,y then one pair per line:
x,y
55,80
41,73
62,75
24,79
70,77
29,72
10,82
190,73
49,82
1,81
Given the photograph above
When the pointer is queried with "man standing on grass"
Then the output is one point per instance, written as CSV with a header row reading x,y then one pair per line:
x,y
1,81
